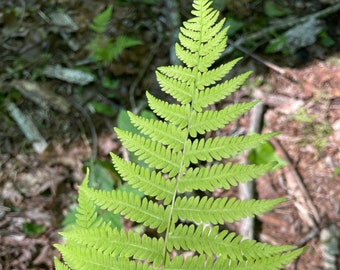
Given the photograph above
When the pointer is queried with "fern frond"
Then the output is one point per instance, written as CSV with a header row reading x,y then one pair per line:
x,y
216,211
132,207
222,263
211,120
185,56
176,163
122,43
221,176
189,31
210,241
86,258
145,180
222,147
122,244
211,95
175,114
151,152
101,21
214,75
86,215
197,49
212,50
189,263
182,76
165,133
59,265
271,263
180,73
182,91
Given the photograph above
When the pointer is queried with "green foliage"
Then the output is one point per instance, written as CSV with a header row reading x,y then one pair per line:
x,y
264,154
33,229
272,9
315,129
326,40
234,25
179,157
336,172
104,49
101,21
101,175
102,108
277,44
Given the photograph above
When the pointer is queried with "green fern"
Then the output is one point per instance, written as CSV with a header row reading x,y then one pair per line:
x,y
103,49
174,158
102,20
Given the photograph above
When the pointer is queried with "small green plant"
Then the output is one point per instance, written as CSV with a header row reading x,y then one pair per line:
x,y
272,9
336,172
32,229
264,154
175,158
314,129
104,49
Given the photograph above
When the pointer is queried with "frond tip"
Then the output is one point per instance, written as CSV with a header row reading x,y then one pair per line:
x,y
176,154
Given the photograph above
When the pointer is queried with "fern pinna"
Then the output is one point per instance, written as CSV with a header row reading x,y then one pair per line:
x,y
174,152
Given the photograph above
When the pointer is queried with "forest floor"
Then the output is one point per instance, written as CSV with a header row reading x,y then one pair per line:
x,y
38,184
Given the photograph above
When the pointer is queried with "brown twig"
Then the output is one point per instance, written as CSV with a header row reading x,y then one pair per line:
x,y
310,235
282,71
258,58
303,201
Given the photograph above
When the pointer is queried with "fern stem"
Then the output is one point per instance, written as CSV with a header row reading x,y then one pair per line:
x,y
180,173
182,168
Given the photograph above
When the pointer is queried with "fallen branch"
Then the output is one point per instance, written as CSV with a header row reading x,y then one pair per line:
x,y
282,71
41,95
27,126
246,190
287,23
173,23
296,188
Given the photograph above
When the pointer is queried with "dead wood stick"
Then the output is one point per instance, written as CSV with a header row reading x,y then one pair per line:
x,y
289,22
41,95
27,126
276,68
309,236
246,190
173,22
303,201
285,72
